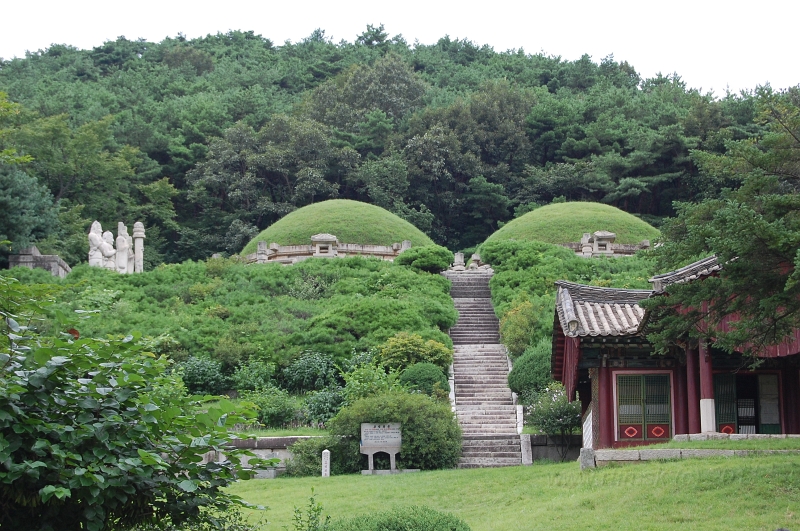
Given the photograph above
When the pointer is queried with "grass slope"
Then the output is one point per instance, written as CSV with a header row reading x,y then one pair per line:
x,y
350,221
755,493
566,222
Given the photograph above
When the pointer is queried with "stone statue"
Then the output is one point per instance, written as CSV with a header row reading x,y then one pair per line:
x,y
95,241
108,251
131,261
127,257
123,248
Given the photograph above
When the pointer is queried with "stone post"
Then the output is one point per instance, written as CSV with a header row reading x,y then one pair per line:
x,y
261,253
326,463
138,247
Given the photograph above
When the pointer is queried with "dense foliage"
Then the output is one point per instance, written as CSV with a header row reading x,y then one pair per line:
x,y
211,140
753,229
229,313
97,434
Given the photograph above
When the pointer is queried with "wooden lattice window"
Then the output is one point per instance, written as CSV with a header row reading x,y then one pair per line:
x,y
644,410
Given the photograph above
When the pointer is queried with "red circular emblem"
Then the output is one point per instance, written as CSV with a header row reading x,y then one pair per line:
x,y
630,431
727,429
658,431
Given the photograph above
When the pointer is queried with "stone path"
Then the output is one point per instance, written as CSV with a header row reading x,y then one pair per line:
x,y
483,402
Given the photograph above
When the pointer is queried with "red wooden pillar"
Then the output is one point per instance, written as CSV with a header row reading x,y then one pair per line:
x,y
606,403
681,409
708,415
692,395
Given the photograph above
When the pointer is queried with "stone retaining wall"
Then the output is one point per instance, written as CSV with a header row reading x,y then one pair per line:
x,y
265,448
538,447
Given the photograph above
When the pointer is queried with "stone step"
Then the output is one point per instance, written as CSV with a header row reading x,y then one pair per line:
x,y
507,410
482,378
504,417
482,402
491,441
488,428
492,454
488,462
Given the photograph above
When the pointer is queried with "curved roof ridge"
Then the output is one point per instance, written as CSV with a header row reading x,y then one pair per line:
x,y
590,310
701,268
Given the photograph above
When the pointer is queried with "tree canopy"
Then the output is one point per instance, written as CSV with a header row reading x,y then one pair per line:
x,y
753,228
212,140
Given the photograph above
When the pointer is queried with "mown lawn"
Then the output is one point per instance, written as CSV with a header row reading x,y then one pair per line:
x,y
753,493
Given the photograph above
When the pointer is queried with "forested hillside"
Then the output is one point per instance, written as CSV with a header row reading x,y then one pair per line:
x,y
210,140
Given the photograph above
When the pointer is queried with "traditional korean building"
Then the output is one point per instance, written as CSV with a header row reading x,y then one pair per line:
x,y
631,396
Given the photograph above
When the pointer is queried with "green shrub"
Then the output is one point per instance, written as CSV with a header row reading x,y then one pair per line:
x,y
322,406
518,326
368,380
204,376
554,415
431,434
255,375
404,349
531,371
429,258
425,377
411,518
312,371
232,353
275,408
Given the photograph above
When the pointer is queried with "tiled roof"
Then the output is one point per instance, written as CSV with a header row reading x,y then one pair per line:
x,y
594,311
701,268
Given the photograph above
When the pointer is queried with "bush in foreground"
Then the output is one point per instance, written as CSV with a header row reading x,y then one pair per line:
x,y
431,434
97,433
412,518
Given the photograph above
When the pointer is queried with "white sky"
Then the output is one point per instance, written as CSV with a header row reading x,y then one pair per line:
x,y
711,44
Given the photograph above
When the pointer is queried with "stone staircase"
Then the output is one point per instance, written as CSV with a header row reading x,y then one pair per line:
x,y
484,404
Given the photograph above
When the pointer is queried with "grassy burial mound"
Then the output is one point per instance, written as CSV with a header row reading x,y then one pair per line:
x,y
567,222
350,221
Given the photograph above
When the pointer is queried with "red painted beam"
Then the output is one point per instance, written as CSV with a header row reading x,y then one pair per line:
x,y
681,405
692,398
606,413
706,372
